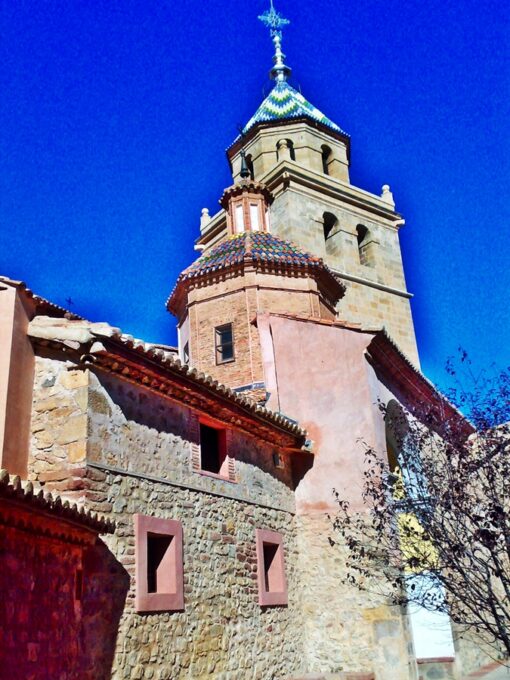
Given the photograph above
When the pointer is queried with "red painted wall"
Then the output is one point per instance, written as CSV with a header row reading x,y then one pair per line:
x,y
48,629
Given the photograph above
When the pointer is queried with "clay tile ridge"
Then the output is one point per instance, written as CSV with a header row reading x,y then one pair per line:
x,y
170,363
43,306
12,489
100,339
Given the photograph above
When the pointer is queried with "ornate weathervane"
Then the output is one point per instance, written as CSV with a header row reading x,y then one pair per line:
x,y
274,21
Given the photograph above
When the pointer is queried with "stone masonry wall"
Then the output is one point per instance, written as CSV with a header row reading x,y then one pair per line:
x,y
298,217
135,457
222,633
343,628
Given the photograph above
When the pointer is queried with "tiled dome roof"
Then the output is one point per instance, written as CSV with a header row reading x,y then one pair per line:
x,y
260,247
283,103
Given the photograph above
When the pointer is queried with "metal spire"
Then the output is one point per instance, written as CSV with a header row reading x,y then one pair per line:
x,y
274,21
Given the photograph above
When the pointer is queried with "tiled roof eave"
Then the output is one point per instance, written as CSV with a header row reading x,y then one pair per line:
x,y
156,370
42,305
315,269
13,491
242,140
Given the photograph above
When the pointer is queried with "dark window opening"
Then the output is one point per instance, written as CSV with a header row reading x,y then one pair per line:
x,y
363,249
185,353
326,158
272,577
362,233
159,563
329,223
278,461
249,163
78,585
224,343
212,448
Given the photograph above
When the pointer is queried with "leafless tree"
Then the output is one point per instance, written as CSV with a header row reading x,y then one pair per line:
x,y
436,525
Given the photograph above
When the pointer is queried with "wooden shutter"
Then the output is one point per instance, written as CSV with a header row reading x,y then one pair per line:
x,y
231,468
194,437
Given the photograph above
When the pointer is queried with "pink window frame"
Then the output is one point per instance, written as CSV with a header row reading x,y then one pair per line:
x,y
278,596
158,601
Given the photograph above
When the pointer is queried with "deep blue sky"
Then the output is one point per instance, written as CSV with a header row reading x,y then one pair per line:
x,y
114,118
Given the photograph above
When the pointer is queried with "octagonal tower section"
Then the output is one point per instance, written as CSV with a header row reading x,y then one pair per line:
x,y
250,270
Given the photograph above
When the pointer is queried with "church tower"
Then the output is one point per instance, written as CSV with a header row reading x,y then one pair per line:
x,y
294,236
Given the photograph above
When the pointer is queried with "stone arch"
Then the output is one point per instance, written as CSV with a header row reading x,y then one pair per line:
x,y
329,226
327,157
249,163
365,246
285,150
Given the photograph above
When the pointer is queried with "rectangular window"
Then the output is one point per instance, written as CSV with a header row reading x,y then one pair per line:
x,y
278,461
254,217
224,343
159,568
271,577
185,353
239,217
212,448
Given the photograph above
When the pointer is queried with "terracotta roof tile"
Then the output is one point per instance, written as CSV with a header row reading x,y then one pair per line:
x,y
12,489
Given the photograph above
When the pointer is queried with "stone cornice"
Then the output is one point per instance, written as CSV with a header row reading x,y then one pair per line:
x,y
372,284
288,172
243,141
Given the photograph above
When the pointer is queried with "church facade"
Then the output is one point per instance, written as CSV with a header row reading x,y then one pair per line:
x,y
215,462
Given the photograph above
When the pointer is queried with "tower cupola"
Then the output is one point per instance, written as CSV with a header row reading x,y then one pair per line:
x,y
247,204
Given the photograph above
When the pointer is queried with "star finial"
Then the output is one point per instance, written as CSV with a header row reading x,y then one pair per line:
x,y
274,21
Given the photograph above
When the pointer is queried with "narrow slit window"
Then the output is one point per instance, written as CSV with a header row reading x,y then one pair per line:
x,y
239,217
249,163
185,353
272,577
326,158
254,217
224,343
329,222
362,238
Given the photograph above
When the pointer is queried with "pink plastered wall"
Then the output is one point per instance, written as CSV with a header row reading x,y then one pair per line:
x,y
318,375
16,381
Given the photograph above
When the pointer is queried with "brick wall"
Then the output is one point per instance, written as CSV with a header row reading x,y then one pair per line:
x,y
236,299
62,594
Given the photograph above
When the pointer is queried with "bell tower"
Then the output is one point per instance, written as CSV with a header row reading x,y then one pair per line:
x,y
303,159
